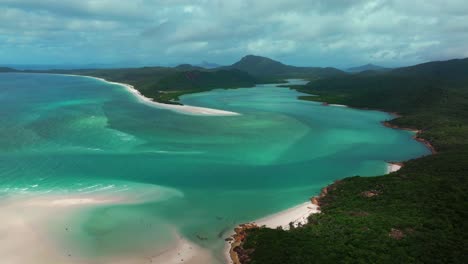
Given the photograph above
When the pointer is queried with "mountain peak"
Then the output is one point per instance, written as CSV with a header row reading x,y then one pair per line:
x,y
254,58
367,67
266,67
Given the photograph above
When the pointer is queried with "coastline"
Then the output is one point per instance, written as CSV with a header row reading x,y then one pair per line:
x,y
233,250
394,166
295,216
183,109
416,135
28,221
387,124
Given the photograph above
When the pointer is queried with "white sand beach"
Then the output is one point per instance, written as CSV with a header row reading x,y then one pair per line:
x,y
26,238
392,167
338,105
297,215
183,109
24,232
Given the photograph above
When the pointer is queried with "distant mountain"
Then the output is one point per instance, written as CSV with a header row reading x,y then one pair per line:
x,y
188,67
265,67
367,67
7,69
450,70
39,67
208,65
404,90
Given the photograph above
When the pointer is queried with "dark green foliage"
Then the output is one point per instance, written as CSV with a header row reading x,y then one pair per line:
x,y
420,213
426,200
205,80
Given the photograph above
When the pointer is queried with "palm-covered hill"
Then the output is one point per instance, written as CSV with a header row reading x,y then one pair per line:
x,y
416,215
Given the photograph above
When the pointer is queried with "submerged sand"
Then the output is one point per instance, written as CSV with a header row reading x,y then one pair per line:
x,y
27,238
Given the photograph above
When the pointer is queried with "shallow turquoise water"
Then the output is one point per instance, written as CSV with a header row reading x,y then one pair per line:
x,y
197,175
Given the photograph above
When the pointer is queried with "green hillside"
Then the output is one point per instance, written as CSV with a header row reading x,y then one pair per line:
x,y
263,67
171,86
6,69
416,215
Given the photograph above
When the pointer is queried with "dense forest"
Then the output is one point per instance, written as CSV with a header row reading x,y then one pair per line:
x,y
416,215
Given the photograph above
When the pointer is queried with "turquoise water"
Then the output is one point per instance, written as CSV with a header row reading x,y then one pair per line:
x,y
194,175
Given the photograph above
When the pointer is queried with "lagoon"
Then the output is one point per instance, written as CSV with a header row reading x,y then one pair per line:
x,y
106,178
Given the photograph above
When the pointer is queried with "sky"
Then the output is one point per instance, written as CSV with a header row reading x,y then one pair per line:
x,y
337,33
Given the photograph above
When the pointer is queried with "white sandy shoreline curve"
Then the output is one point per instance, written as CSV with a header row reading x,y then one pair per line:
x,y
299,214
296,215
183,109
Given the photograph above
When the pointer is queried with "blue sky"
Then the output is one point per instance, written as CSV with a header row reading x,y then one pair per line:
x,y
300,32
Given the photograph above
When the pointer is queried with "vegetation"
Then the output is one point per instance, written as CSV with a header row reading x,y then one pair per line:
x,y
262,67
416,215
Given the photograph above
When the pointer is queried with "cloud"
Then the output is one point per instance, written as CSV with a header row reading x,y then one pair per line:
x,y
302,32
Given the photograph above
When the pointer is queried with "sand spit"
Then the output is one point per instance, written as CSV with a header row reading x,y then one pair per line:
x,y
183,109
30,221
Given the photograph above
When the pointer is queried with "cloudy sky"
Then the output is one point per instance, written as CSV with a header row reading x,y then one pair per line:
x,y
299,32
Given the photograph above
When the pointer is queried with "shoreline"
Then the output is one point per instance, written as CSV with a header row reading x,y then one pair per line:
x,y
233,244
27,221
387,124
416,135
183,109
296,216
394,166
